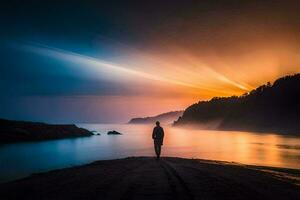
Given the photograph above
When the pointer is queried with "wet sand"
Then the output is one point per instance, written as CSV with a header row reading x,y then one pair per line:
x,y
169,178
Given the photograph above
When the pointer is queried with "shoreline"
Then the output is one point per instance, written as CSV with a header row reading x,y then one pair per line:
x,y
134,177
196,126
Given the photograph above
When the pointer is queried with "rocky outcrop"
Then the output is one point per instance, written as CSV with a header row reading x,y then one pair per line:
x,y
16,131
113,133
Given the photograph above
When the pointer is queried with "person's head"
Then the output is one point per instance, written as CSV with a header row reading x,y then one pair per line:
x,y
157,123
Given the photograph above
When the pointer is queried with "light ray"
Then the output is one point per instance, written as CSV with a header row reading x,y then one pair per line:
x,y
103,66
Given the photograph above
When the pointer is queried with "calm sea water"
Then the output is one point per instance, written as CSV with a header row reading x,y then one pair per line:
x,y
22,159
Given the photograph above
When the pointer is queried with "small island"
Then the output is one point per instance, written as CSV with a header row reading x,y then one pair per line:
x,y
113,133
19,131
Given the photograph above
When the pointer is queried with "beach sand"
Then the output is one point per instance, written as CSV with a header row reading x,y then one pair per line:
x,y
169,178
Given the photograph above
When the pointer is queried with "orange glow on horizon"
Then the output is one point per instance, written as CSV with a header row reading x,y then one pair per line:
x,y
160,82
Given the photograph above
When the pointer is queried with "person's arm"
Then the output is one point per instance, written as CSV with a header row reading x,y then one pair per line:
x,y
153,134
162,136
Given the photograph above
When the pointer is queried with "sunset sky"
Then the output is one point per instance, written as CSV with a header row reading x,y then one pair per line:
x,y
109,61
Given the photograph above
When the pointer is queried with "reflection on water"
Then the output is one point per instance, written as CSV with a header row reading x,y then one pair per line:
x,y
21,159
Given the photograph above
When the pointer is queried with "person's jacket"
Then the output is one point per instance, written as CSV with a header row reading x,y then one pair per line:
x,y
158,134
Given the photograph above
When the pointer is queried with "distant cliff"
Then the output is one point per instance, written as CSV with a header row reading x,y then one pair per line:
x,y
267,108
166,118
15,131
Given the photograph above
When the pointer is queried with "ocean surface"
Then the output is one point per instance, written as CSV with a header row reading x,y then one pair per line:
x,y
22,159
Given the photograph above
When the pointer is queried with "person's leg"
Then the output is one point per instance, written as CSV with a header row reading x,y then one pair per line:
x,y
156,149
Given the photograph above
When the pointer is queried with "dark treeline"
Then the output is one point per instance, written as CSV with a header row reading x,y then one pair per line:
x,y
267,108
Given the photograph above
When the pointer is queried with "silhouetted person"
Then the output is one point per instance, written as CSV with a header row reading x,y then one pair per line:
x,y
158,138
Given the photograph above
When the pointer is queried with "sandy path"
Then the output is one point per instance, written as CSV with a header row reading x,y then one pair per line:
x,y
146,178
